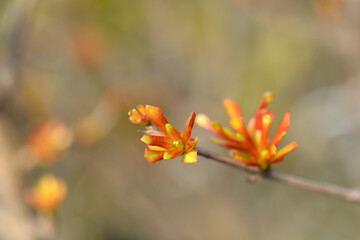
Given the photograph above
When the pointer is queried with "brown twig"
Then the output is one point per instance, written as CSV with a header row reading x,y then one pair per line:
x,y
351,195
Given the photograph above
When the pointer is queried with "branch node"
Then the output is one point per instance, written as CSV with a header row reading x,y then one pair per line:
x,y
253,178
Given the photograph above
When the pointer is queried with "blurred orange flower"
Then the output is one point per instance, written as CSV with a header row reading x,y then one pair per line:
x,y
47,194
49,140
250,145
89,47
328,9
169,143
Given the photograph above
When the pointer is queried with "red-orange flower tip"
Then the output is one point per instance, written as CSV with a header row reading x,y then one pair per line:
x,y
47,194
205,122
284,151
232,108
169,143
266,99
251,145
138,116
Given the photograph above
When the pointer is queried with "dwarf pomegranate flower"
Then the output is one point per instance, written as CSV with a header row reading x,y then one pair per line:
x,y
47,194
169,143
138,116
250,144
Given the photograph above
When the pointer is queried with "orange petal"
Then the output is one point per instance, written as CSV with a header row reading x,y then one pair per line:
x,y
191,143
159,141
232,108
141,109
284,151
157,149
172,132
255,122
219,130
265,100
280,132
230,133
190,157
272,151
153,156
189,125
134,116
238,156
157,117
172,153
238,125
266,123
230,144
205,122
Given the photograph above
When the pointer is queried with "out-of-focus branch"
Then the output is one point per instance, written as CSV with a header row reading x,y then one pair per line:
x,y
18,33
14,222
351,195
14,32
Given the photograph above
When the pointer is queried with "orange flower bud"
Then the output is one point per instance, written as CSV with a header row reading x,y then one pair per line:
x,y
47,194
138,116
49,140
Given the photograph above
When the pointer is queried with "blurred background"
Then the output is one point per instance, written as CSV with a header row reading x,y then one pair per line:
x,y
83,64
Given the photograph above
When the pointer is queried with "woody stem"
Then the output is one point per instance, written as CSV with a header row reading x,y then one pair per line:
x,y
347,194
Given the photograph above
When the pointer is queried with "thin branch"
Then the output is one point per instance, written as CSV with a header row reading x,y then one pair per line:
x,y
351,195
17,26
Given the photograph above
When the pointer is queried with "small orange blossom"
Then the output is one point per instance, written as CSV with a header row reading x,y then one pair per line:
x,y
169,143
250,144
47,194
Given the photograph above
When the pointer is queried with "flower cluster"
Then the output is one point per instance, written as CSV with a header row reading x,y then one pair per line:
x,y
169,142
250,144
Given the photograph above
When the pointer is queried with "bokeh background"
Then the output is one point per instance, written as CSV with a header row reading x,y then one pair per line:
x,y
87,62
